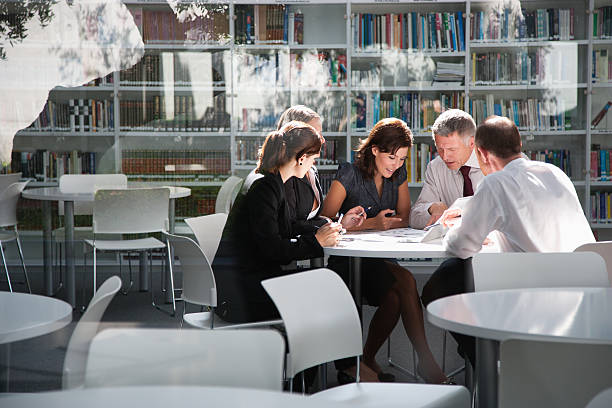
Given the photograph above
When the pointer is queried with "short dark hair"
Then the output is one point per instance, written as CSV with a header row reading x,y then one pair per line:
x,y
297,112
500,136
292,141
454,120
388,135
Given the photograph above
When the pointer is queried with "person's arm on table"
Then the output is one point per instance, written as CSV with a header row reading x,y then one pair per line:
x,y
428,207
481,215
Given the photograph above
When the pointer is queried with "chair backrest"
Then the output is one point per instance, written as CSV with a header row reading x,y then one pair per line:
x,y
8,179
602,400
319,315
515,270
603,248
131,211
87,183
199,285
227,194
207,230
235,358
8,203
552,374
84,332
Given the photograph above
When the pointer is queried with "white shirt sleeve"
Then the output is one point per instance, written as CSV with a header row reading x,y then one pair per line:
x,y
419,214
481,215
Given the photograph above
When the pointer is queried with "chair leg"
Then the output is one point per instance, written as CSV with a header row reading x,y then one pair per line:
x,y
25,272
94,269
8,278
456,371
399,367
173,312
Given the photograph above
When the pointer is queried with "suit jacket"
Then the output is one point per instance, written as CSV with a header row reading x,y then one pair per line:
x,y
258,238
300,199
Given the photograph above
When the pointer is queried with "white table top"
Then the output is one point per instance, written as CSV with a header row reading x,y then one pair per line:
x,y
557,314
23,316
54,194
164,397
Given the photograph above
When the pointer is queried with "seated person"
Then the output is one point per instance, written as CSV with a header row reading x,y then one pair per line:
x,y
377,182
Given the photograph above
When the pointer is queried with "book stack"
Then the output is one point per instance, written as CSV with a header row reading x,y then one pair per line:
x,y
78,115
175,165
257,70
247,151
106,80
165,27
602,22
44,165
200,202
560,158
600,164
418,31
369,77
419,155
601,207
537,67
334,116
449,72
528,114
268,24
416,110
602,66
507,25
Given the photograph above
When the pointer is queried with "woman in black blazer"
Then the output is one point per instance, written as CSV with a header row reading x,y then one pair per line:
x,y
259,235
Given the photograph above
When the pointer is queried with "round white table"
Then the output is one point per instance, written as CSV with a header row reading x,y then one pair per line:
x,y
164,397
48,194
557,314
23,316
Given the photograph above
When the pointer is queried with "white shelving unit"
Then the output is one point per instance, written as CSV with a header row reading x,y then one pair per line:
x,y
328,27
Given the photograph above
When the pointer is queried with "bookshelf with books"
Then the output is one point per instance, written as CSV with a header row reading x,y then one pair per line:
x,y
215,77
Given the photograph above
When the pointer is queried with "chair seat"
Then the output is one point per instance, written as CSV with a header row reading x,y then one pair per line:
x,y
127,245
7,236
201,320
397,395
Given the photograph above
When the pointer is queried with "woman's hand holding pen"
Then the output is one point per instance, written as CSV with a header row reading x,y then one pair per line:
x,y
353,218
386,219
327,235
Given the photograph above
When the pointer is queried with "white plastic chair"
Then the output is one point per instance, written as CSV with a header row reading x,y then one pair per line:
x,y
227,194
8,179
85,330
603,248
208,230
199,286
601,400
82,183
163,357
552,374
131,211
515,270
322,325
8,217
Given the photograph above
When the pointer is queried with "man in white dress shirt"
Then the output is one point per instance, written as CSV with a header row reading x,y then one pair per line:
x,y
531,206
454,173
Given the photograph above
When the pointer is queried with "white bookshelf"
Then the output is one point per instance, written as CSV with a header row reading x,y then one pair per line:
x,y
328,27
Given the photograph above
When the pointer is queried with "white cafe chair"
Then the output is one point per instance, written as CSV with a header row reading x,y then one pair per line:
x,y
87,327
603,248
322,325
8,179
165,357
8,217
227,194
208,230
601,400
131,211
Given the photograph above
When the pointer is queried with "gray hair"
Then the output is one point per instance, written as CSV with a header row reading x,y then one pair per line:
x,y
454,120
300,113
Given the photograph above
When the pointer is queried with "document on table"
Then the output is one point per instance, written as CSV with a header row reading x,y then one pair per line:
x,y
401,235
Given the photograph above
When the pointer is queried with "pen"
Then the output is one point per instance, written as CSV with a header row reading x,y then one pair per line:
x,y
340,219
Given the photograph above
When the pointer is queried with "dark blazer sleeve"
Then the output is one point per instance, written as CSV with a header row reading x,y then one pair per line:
x,y
271,228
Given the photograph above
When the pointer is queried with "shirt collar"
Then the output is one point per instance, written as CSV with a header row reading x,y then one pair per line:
x,y
472,161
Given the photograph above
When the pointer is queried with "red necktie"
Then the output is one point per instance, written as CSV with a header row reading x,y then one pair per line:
x,y
467,183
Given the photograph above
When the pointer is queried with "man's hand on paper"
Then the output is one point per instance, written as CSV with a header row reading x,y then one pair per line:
x,y
386,220
354,218
450,217
436,210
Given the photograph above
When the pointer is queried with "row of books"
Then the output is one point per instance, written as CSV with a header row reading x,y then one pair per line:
x,y
560,158
600,164
601,207
200,202
602,22
105,80
419,156
416,110
44,165
602,66
442,31
77,115
165,26
507,24
527,114
176,165
268,24
521,67
178,114
247,151
178,68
